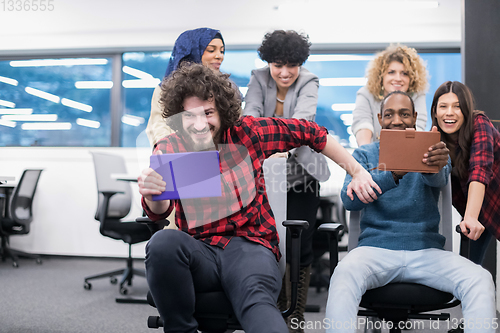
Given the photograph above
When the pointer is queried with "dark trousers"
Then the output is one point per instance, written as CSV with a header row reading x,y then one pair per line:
x,y
177,265
302,204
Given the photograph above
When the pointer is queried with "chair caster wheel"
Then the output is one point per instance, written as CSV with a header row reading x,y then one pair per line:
x,y
39,261
113,280
123,291
87,286
154,322
15,264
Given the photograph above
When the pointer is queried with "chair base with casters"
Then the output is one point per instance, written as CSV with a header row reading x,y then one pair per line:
x,y
126,275
396,303
116,229
14,255
213,310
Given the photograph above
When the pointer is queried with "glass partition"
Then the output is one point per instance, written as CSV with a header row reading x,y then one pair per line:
x,y
341,75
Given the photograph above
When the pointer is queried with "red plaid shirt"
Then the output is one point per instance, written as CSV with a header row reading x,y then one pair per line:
x,y
243,210
484,167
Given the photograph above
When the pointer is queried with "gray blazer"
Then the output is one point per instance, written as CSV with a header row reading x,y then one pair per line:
x,y
300,102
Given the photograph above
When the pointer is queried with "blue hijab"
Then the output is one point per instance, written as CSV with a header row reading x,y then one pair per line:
x,y
190,46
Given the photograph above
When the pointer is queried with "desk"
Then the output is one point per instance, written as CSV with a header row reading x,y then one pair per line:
x,y
4,179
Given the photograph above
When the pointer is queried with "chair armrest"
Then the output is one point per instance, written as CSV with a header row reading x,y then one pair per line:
x,y
153,226
105,203
464,243
295,228
333,230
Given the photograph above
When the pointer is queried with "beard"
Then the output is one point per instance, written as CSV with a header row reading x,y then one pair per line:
x,y
201,145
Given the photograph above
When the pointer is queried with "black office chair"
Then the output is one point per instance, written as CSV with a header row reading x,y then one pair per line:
x,y
114,203
213,311
399,302
19,215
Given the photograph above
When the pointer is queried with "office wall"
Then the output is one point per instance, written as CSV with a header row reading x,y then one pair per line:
x,y
66,201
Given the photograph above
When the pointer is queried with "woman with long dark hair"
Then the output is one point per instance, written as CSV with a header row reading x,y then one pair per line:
x,y
474,145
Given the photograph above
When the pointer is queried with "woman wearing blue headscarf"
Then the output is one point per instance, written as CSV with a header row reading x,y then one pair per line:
x,y
202,45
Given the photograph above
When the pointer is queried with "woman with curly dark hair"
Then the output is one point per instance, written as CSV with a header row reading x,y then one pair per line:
x,y
474,145
285,89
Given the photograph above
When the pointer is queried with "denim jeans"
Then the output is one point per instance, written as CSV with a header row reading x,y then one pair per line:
x,y
369,267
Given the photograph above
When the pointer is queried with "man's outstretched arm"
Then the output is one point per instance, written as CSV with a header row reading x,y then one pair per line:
x,y
362,183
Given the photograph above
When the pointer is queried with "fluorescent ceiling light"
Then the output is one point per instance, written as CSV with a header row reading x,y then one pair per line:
x,y
42,94
46,126
137,73
16,111
58,62
76,105
132,120
7,104
339,57
8,80
88,123
30,117
150,83
346,119
94,84
7,123
343,106
343,81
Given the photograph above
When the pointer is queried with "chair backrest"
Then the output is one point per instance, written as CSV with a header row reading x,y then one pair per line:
x,y
105,165
445,225
275,178
22,198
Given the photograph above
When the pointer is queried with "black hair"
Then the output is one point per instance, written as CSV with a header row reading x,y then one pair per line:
x,y
285,47
400,93
466,101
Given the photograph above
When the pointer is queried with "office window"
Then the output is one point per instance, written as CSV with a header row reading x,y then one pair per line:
x,y
142,72
55,102
341,75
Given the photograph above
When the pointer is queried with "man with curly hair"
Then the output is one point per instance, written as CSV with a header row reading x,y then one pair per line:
x,y
228,243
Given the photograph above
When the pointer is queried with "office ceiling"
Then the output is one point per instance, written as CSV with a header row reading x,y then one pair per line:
x,y
155,24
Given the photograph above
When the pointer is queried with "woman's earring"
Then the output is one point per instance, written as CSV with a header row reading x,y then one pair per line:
x,y
381,93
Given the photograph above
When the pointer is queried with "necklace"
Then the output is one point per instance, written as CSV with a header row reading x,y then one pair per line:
x,y
280,100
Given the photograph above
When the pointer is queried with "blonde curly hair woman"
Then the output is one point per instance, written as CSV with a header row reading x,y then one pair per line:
x,y
398,67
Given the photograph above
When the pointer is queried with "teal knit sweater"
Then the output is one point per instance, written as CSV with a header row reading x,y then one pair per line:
x,y
405,216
